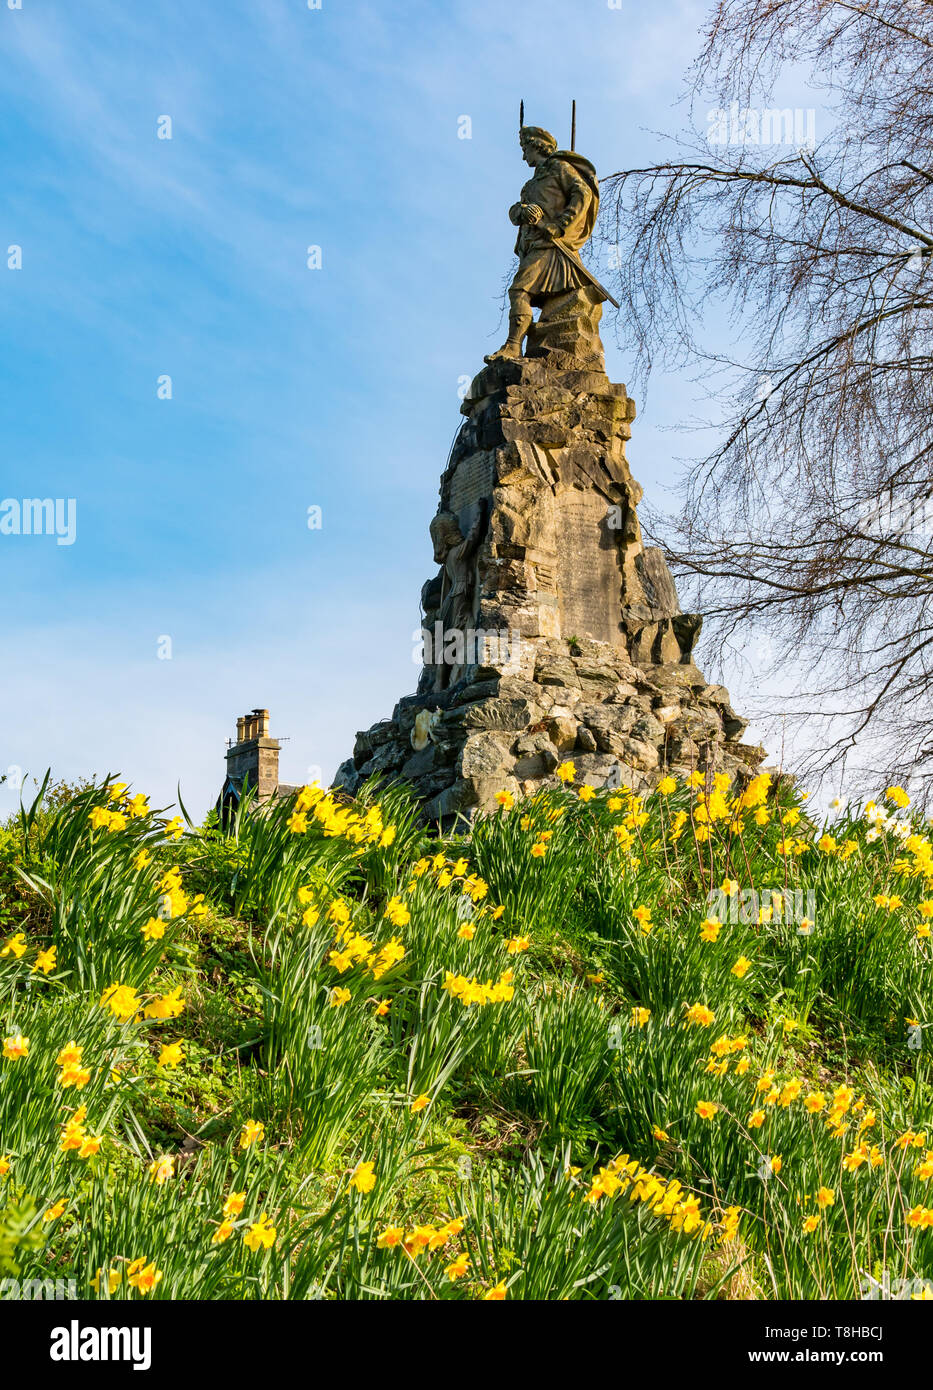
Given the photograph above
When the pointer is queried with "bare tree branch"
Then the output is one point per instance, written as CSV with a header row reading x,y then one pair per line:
x,y
812,515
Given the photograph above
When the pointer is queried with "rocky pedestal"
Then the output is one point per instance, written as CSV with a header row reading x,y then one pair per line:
x,y
552,632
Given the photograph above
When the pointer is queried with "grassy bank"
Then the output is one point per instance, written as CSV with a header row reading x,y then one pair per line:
x,y
601,1047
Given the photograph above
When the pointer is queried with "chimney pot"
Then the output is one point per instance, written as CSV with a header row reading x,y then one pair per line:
x,y
257,765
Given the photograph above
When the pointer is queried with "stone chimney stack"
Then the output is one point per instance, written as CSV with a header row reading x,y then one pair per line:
x,y
253,761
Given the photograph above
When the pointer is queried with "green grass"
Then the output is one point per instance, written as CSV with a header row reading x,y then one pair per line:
x,y
589,1050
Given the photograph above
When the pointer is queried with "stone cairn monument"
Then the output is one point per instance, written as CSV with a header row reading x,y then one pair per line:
x,y
551,632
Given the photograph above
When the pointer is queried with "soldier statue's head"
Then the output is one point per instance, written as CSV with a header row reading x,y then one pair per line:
x,y
537,144
445,533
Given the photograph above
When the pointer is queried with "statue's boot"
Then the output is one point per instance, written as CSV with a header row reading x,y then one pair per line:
x,y
519,325
510,348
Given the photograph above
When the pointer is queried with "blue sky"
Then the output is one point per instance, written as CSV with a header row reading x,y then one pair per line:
x,y
291,387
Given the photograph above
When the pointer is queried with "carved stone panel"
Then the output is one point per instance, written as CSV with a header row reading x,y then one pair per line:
x,y
589,576
467,484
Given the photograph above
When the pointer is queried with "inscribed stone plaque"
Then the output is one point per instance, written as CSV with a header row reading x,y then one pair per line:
x,y
589,578
471,481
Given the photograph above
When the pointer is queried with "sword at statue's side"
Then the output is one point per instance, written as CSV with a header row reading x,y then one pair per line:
x,y
555,241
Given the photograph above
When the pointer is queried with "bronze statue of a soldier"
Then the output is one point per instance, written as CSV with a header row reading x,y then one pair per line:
x,y
555,218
